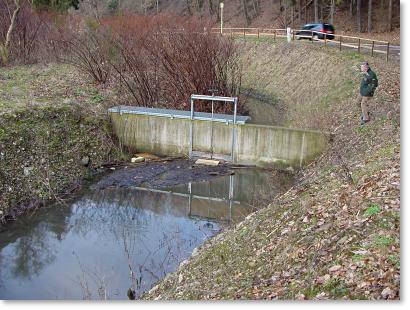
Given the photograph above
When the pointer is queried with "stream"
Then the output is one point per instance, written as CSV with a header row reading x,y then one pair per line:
x,y
105,242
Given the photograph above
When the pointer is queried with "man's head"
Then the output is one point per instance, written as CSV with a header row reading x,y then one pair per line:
x,y
364,66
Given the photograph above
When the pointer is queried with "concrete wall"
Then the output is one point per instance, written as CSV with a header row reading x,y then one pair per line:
x,y
260,145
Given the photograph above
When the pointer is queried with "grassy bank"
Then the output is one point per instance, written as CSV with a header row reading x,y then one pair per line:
x,y
54,133
336,234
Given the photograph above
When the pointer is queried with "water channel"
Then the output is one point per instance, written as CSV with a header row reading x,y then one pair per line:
x,y
105,242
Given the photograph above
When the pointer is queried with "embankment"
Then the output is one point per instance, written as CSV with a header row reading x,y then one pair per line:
x,y
336,234
46,151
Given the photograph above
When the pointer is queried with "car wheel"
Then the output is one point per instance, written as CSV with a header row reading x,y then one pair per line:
x,y
315,37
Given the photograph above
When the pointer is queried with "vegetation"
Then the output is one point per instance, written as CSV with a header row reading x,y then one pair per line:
x,y
333,236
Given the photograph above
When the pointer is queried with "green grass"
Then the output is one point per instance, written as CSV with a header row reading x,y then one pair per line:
x,y
383,241
373,209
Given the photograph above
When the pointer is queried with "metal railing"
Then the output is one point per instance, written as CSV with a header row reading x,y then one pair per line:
x,y
231,100
357,43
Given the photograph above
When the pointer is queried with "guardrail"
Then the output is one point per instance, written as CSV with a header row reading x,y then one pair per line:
x,y
361,44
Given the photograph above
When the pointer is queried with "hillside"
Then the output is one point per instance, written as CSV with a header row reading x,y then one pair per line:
x,y
263,13
335,235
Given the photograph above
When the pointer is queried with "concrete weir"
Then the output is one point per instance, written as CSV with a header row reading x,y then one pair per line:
x,y
169,132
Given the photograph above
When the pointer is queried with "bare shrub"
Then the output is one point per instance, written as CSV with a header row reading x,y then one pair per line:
x,y
29,37
87,47
164,59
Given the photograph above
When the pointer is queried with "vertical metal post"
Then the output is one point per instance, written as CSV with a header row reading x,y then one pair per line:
x,y
340,43
190,198
212,129
191,129
358,47
258,33
293,34
274,35
372,47
311,39
244,30
325,38
231,179
387,52
234,131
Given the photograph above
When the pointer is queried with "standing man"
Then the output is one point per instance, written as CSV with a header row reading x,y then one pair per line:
x,y
367,88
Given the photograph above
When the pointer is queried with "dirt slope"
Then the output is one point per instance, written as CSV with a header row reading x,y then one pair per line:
x,y
336,234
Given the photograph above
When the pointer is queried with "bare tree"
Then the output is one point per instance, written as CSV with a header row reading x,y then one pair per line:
x,y
351,11
359,15
369,17
4,47
316,7
389,23
332,10
245,11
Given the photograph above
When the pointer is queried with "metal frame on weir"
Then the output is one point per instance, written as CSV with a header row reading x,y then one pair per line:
x,y
233,100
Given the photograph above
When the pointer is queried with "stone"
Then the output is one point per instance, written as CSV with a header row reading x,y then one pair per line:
x,y
335,268
180,279
152,290
388,293
207,162
85,161
27,170
195,252
138,159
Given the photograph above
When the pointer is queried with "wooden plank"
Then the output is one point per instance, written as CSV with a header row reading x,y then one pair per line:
x,y
207,162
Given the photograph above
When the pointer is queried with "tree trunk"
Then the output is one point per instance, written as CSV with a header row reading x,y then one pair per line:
x,y
245,11
369,17
299,12
389,23
316,11
211,7
4,48
332,10
286,14
359,16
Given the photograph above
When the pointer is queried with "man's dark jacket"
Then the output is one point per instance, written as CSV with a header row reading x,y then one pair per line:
x,y
368,84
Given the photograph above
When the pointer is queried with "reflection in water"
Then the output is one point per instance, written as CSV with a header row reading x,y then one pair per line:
x,y
118,240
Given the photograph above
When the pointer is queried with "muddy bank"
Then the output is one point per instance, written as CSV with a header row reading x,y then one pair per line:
x,y
161,174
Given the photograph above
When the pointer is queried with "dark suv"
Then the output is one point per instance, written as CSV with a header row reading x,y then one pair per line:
x,y
317,31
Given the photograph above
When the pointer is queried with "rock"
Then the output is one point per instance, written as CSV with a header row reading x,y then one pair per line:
x,y
388,293
343,240
180,278
300,297
335,268
325,227
390,114
85,161
184,262
152,290
27,170
195,252
138,159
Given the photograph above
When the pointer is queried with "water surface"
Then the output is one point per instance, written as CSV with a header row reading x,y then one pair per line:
x,y
107,241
